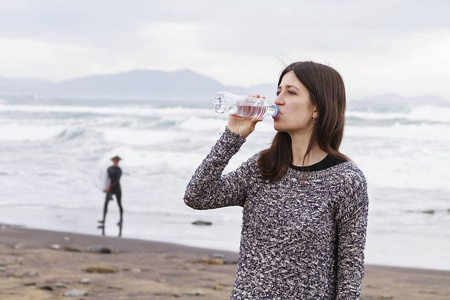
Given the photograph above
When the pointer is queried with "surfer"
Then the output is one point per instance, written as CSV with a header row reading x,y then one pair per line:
x,y
114,174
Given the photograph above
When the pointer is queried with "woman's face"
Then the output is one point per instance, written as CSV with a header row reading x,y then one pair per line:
x,y
296,110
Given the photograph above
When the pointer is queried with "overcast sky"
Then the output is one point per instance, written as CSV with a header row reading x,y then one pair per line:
x,y
378,46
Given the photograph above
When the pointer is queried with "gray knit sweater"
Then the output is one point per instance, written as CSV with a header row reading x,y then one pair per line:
x,y
302,237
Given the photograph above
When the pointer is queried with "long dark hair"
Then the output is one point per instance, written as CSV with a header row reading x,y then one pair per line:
x,y
326,92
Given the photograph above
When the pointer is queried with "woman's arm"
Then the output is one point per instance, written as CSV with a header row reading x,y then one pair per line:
x,y
351,231
208,188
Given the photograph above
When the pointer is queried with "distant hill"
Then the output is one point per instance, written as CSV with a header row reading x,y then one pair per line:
x,y
178,85
140,84
22,87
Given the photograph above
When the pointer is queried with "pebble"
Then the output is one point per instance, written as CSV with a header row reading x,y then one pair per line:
x,y
103,250
75,293
31,274
60,285
55,247
197,292
203,223
214,261
16,261
85,281
99,269
70,249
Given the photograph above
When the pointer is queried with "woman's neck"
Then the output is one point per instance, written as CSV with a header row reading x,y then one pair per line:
x,y
299,146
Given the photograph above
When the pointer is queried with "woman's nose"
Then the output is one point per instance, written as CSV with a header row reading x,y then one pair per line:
x,y
279,100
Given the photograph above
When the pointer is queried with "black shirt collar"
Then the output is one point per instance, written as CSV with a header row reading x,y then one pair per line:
x,y
325,163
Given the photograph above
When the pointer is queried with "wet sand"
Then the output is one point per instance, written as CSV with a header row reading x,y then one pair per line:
x,y
40,264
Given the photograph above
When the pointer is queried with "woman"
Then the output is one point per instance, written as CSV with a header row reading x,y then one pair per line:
x,y
304,203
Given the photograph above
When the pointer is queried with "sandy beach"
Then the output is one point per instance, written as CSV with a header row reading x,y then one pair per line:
x,y
39,264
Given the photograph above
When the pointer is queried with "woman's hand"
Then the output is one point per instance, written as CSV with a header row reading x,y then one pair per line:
x,y
243,125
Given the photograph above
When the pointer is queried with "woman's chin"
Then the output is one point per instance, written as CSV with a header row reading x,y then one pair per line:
x,y
277,126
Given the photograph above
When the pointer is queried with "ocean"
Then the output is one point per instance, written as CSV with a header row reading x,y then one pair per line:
x,y
53,152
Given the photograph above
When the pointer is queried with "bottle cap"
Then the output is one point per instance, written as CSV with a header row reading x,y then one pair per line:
x,y
276,111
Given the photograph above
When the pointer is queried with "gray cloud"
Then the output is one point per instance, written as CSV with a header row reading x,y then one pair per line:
x,y
227,40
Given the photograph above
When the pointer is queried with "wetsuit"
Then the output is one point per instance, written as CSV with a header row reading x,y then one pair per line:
x,y
114,174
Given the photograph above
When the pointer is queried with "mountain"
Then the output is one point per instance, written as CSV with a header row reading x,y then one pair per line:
x,y
178,85
140,84
22,87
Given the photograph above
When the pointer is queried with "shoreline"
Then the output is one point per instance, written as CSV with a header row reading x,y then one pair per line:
x,y
42,264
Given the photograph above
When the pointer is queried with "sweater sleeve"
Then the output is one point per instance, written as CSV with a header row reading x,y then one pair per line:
x,y
351,230
208,188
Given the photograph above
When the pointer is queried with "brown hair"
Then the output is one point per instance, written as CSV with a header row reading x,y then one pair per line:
x,y
326,92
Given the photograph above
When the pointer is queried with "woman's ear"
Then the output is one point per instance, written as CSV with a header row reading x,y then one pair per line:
x,y
315,112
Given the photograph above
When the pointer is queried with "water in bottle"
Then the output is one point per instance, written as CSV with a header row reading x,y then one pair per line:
x,y
243,105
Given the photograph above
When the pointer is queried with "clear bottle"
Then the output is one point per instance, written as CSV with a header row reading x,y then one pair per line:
x,y
243,105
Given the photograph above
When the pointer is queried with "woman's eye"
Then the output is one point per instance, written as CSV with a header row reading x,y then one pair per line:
x,y
278,93
291,92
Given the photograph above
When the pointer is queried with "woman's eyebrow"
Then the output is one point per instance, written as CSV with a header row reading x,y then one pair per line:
x,y
289,86
292,86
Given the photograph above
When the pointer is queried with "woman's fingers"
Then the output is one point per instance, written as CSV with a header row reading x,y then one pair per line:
x,y
243,125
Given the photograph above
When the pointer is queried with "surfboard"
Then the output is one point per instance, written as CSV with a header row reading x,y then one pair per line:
x,y
105,180
101,180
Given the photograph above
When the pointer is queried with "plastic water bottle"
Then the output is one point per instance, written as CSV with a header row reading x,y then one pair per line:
x,y
243,105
